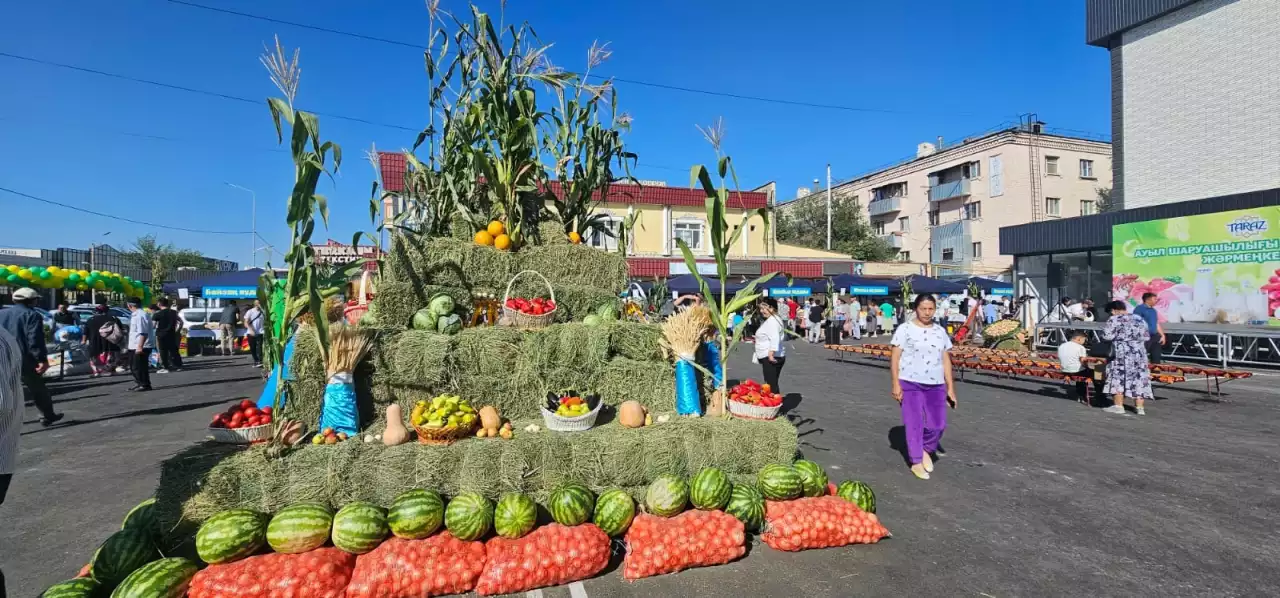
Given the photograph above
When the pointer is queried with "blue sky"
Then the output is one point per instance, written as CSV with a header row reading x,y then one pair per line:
x,y
923,68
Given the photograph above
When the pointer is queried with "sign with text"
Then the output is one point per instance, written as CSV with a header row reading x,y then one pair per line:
x,y
1221,268
704,268
791,292
869,290
338,253
17,252
1001,292
229,292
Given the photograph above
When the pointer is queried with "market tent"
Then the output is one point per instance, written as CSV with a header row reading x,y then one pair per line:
x,y
864,285
988,285
686,283
925,284
239,278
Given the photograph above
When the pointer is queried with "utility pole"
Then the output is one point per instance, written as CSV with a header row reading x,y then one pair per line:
x,y
828,206
253,222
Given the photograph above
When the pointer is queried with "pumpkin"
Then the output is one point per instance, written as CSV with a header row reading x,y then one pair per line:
x,y
395,433
489,418
631,414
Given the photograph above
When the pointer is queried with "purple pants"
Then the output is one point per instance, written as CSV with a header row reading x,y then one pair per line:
x,y
924,416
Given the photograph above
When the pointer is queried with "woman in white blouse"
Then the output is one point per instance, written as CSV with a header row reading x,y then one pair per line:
x,y
770,351
922,384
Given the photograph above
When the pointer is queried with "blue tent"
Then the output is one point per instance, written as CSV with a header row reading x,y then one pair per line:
x,y
238,279
925,284
686,283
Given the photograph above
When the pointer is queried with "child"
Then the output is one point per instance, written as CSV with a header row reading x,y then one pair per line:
x,y
1069,355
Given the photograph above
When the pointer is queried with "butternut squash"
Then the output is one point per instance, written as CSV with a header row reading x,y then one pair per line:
x,y
395,433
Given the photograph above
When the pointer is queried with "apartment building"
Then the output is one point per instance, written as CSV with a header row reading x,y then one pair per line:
x,y
946,206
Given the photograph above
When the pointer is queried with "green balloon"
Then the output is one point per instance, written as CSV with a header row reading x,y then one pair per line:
x,y
73,277
44,275
13,279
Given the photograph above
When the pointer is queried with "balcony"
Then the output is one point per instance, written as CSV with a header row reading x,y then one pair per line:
x,y
884,206
941,191
894,240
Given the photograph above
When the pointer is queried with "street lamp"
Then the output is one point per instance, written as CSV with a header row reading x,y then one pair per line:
x,y
93,293
253,238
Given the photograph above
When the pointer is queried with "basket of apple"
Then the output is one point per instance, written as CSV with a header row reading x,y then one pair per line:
x,y
241,423
752,400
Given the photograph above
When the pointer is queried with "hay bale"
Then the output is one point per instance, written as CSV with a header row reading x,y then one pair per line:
x,y
577,265
552,233
651,383
635,340
573,301
420,358
210,478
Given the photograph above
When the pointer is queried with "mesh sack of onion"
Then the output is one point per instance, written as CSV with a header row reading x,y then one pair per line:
x,y
819,522
550,555
658,545
319,573
435,566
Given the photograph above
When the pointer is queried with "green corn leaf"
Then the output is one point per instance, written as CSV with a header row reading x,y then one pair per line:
x,y
280,110
322,204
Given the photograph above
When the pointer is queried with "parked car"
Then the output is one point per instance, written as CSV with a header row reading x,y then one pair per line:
x,y
84,312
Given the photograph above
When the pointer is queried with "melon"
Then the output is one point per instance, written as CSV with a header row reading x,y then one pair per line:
x,y
121,554
468,516
813,480
300,527
571,504
80,587
165,578
416,514
614,512
747,504
780,482
857,493
631,414
710,490
143,517
515,515
359,527
666,496
231,535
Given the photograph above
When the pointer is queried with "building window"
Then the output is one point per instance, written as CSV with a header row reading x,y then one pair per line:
x,y
904,256
1052,206
1051,165
972,170
977,250
601,240
690,233
904,224
948,254
878,226
1088,207
889,191
934,217
973,211
1086,169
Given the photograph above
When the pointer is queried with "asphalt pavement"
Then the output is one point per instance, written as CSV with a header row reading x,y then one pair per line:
x,y
1036,496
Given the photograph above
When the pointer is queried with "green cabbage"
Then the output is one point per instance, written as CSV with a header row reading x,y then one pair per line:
x,y
591,320
608,311
425,319
441,304
449,324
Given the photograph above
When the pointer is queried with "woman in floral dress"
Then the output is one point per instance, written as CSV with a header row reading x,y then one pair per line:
x,y
1127,372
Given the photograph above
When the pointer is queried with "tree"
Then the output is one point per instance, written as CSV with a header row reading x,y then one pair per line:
x,y
161,259
1105,203
805,224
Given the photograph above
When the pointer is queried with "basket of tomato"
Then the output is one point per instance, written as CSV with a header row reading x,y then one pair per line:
x,y
752,400
529,313
242,423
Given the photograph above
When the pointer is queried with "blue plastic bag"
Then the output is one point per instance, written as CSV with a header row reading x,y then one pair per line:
x,y
688,400
339,408
268,396
711,361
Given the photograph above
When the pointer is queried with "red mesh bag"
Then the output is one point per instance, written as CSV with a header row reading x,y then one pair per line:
x,y
658,545
435,566
550,555
319,573
818,522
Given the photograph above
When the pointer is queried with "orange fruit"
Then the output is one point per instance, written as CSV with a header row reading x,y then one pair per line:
x,y
502,242
575,238
484,238
496,228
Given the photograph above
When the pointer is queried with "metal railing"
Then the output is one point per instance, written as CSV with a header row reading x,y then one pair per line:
x,y
884,206
943,191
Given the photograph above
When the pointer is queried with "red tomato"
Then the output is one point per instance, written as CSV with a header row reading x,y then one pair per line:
x,y
246,403
267,410
266,419
236,420
252,412
217,417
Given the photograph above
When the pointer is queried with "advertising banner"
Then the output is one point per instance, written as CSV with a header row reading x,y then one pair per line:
x,y
229,292
1221,268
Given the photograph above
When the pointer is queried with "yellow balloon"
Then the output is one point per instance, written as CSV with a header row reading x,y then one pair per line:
x,y
83,273
54,270
99,285
25,274
12,269
107,273
80,286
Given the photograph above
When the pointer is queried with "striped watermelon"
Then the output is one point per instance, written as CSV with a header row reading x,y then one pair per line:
x,y
666,496
122,553
571,504
468,516
359,527
231,535
300,527
780,482
747,504
165,578
80,587
416,514
614,511
143,517
857,493
710,490
813,481
515,515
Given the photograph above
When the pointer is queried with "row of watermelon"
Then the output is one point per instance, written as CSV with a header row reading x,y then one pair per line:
x,y
359,527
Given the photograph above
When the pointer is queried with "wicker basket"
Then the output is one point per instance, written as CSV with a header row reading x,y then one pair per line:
x,y
241,435
523,320
358,308
580,423
749,411
445,436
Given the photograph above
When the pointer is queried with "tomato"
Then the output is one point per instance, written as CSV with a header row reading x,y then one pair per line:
x,y
236,420
266,419
252,412
246,403
267,410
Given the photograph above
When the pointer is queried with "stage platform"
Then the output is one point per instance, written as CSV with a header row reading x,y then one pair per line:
x,y
1223,344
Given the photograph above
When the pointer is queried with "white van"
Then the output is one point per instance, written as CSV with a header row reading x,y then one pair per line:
x,y
202,322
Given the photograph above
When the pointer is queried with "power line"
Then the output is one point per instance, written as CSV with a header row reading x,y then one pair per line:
x,y
723,94
121,218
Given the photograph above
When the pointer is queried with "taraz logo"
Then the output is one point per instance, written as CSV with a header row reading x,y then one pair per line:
x,y
1247,226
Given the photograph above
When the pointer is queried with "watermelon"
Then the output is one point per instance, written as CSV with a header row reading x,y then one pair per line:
x,y
515,515
143,517
300,527
80,587
780,482
416,514
571,504
231,535
359,527
857,493
666,496
710,490
468,516
165,578
614,512
122,553
747,504
813,481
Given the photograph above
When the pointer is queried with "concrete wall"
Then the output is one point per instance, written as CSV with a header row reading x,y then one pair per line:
x,y
1201,102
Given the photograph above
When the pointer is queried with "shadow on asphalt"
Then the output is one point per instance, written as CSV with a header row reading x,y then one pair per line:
x,y
135,413
73,399
898,442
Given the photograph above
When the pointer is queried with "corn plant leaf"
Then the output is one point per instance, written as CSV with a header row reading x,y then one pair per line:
x,y
322,205
280,110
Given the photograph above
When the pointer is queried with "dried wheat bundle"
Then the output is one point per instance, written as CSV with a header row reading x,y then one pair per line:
x,y
683,332
347,346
